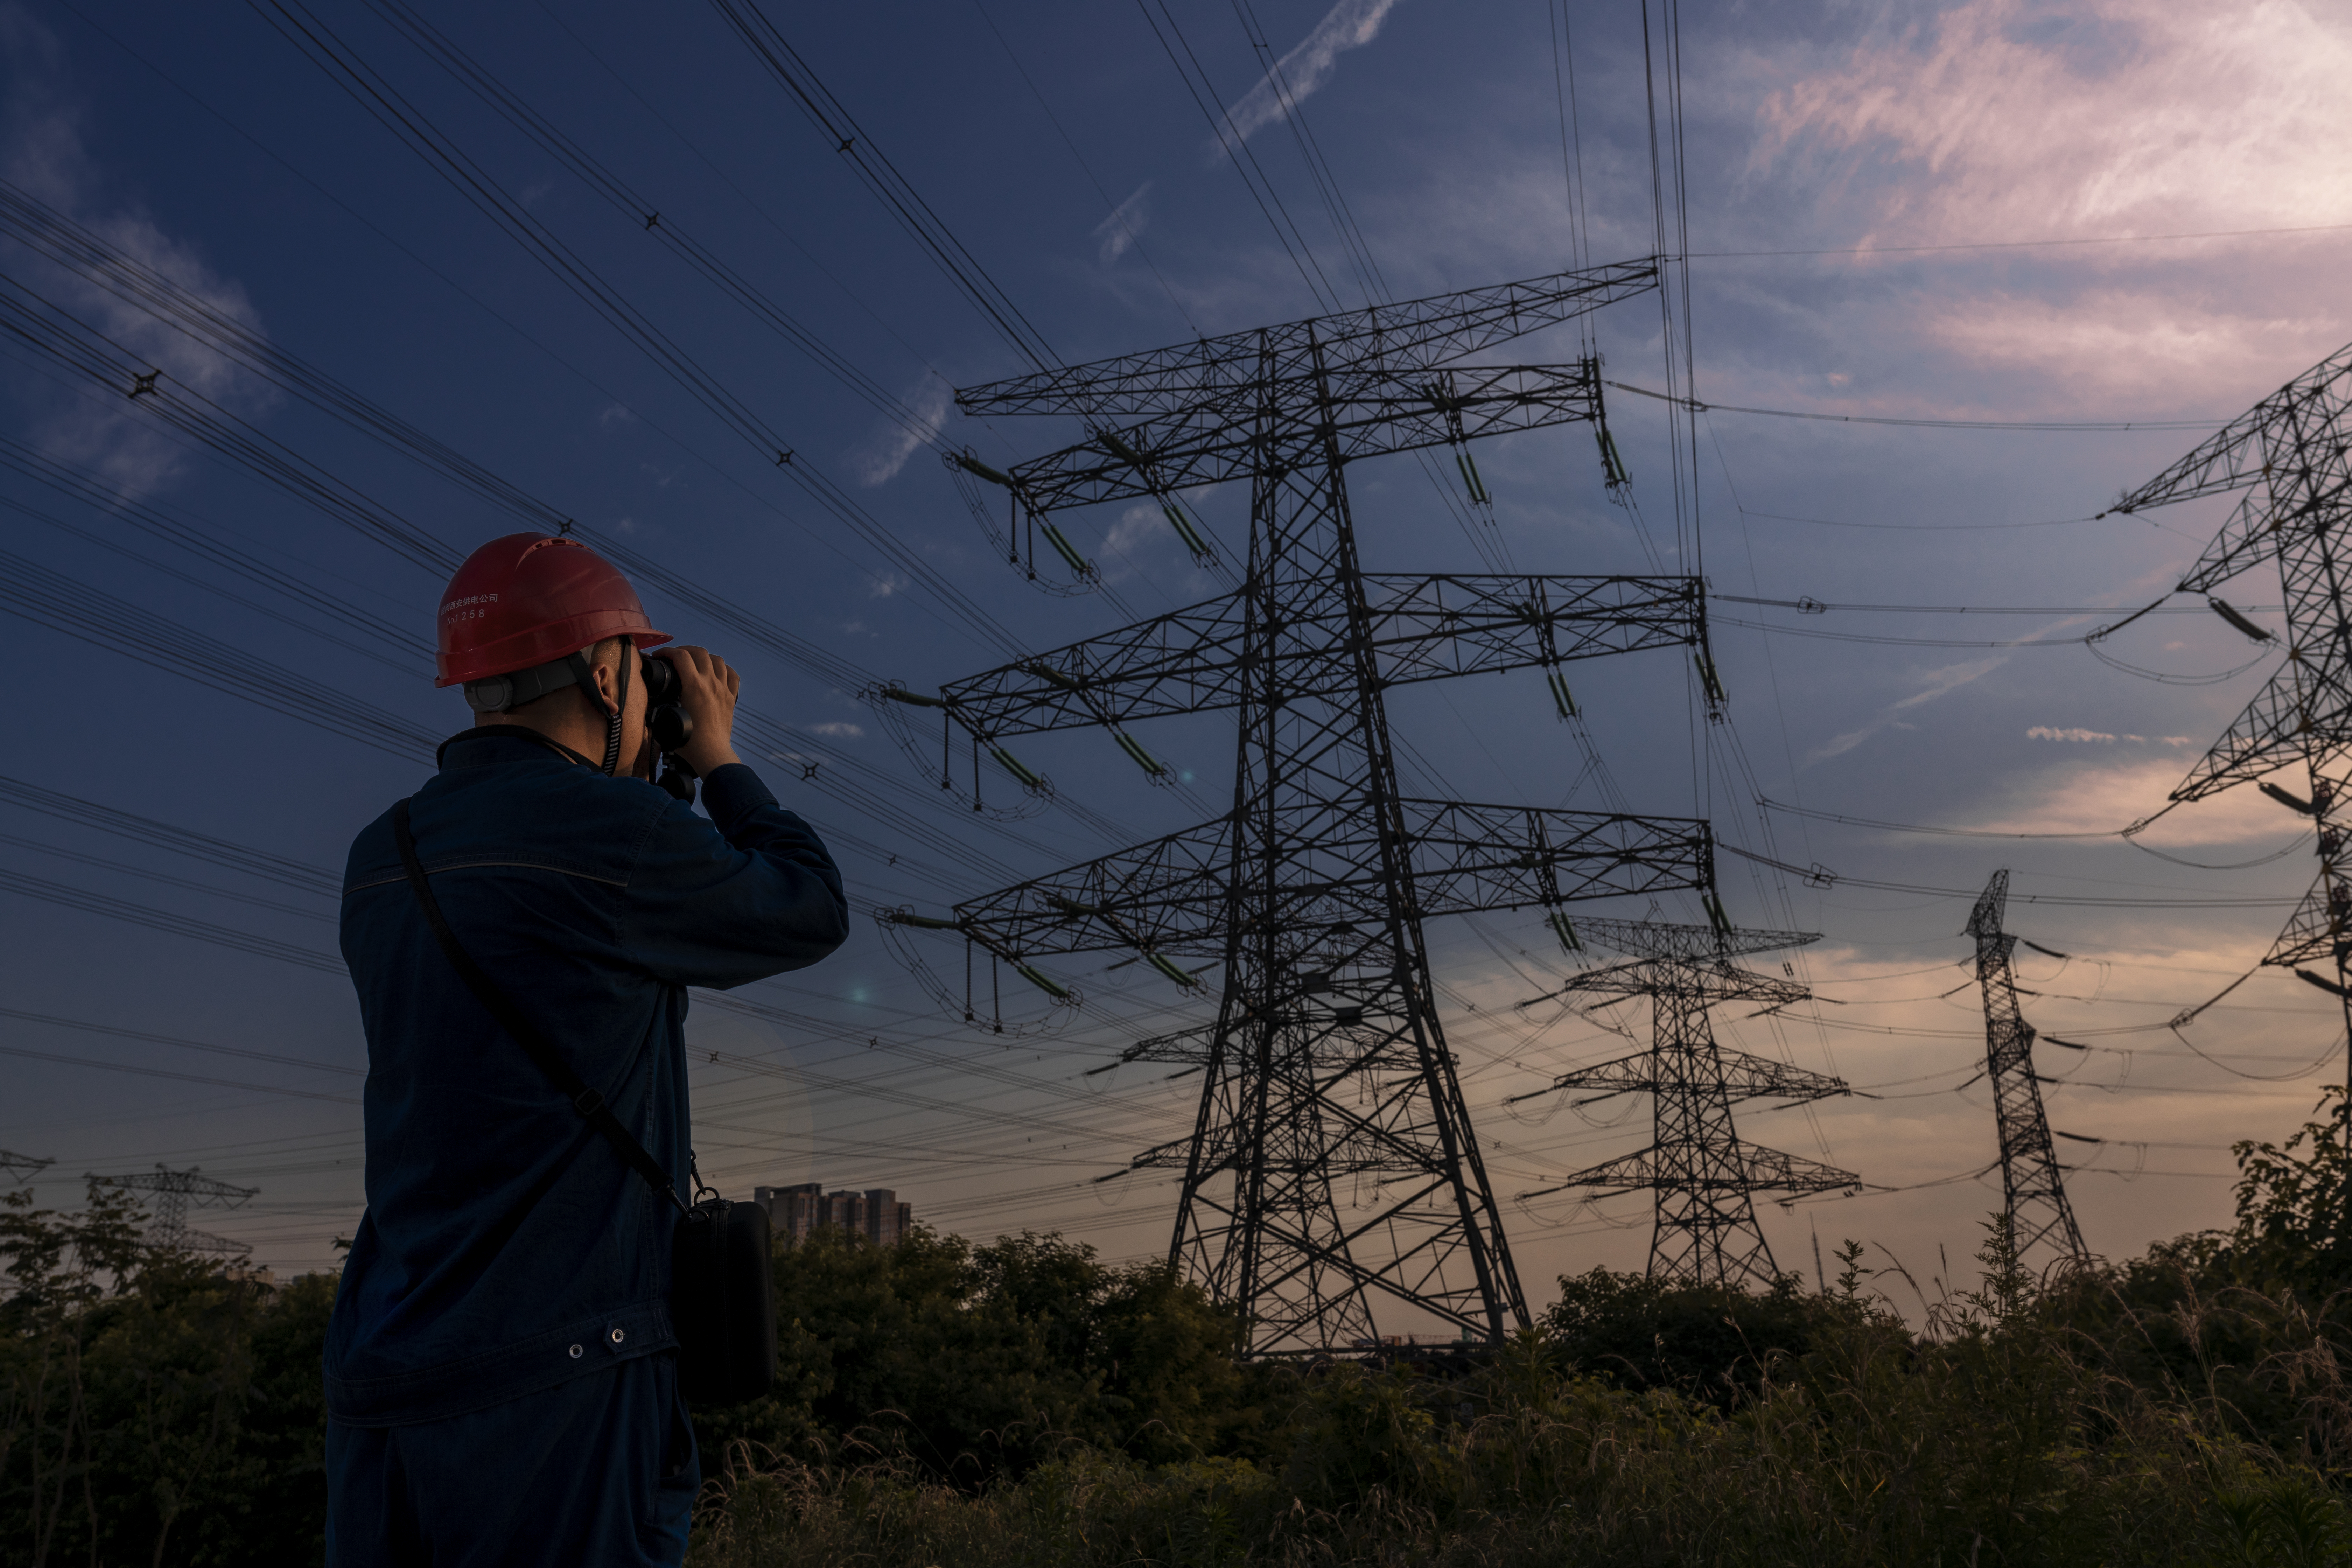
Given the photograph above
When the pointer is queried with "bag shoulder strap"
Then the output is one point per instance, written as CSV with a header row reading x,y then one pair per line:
x,y
586,1102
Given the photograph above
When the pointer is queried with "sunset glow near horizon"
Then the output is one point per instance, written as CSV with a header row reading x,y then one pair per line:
x,y
1994,220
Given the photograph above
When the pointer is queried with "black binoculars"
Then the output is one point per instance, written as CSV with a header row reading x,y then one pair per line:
x,y
669,723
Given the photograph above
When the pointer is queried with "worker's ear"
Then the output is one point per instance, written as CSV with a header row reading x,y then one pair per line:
x,y
603,667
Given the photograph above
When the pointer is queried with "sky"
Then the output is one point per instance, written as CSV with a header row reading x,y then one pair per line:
x,y
1993,220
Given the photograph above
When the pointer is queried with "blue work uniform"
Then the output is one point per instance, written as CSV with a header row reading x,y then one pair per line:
x,y
499,1386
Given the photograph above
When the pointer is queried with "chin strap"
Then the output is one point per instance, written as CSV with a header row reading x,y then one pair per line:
x,y
584,674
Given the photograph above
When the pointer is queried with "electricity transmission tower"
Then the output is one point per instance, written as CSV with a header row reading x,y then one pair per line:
x,y
2034,1193
1704,1179
1332,1160
177,1191
22,1167
2288,453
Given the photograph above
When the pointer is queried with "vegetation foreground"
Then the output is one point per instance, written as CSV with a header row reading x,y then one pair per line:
x,y
1024,1404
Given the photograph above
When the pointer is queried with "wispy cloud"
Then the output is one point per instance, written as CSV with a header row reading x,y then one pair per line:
x,y
41,150
1118,232
2101,737
2029,121
2122,113
1938,683
880,457
1349,24
837,730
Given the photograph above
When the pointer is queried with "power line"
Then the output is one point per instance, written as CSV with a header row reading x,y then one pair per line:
x,y
136,1071
112,1031
245,857
1114,208
164,921
879,175
88,614
1820,875
646,216
2029,243
1695,406
176,307
374,94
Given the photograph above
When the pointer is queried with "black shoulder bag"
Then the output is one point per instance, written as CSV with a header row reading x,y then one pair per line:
x,y
722,1294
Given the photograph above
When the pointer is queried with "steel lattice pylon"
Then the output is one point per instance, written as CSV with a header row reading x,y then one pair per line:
x,y
1332,1158
2034,1193
22,1167
2288,453
176,1191
1702,1178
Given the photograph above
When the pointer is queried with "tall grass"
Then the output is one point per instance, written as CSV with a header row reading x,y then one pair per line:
x,y
2005,1433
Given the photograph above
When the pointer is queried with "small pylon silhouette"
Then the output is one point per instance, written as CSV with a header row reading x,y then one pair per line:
x,y
2033,1194
1704,1178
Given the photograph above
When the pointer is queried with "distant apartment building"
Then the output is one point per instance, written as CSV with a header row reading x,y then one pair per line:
x,y
794,1212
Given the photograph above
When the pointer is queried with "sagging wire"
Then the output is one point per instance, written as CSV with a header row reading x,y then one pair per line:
x,y
2130,835
1066,1001
888,701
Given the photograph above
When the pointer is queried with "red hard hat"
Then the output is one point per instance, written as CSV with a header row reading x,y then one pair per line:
x,y
528,599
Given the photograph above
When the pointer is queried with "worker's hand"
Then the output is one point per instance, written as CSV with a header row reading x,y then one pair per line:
x,y
706,687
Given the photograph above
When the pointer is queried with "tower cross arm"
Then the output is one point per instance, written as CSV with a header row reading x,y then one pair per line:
x,y
1424,627
1743,1167
1688,943
2246,537
2238,454
2275,728
1716,980
1415,334
1467,859
1363,415
2316,929
1170,896
1744,1077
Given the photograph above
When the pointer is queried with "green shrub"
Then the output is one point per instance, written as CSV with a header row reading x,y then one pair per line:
x,y
976,1362
1712,1342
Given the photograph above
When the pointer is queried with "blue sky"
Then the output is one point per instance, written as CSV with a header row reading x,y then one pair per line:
x,y
1856,176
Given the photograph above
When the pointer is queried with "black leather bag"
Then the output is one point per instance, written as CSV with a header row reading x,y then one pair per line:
x,y
722,1294
722,1300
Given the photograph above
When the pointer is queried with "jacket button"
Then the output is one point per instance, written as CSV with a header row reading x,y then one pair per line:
x,y
618,1336
576,1352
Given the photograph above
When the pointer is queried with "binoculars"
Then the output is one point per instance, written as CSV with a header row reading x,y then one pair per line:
x,y
669,723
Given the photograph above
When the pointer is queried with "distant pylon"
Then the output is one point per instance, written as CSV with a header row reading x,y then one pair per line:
x,y
1703,1178
2033,1195
175,1193
22,1167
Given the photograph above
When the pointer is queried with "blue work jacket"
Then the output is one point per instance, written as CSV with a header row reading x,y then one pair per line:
x,y
506,1247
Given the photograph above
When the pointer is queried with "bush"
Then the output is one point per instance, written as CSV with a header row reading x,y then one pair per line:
x,y
976,1362
1715,1344
1026,1403
1984,1440
156,1408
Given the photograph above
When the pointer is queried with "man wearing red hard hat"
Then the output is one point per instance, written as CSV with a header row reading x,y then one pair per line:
x,y
501,1366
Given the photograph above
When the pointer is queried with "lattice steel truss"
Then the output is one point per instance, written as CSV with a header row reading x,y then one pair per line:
x,y
22,1167
177,1191
1702,1177
2288,453
1331,1159
2033,1190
